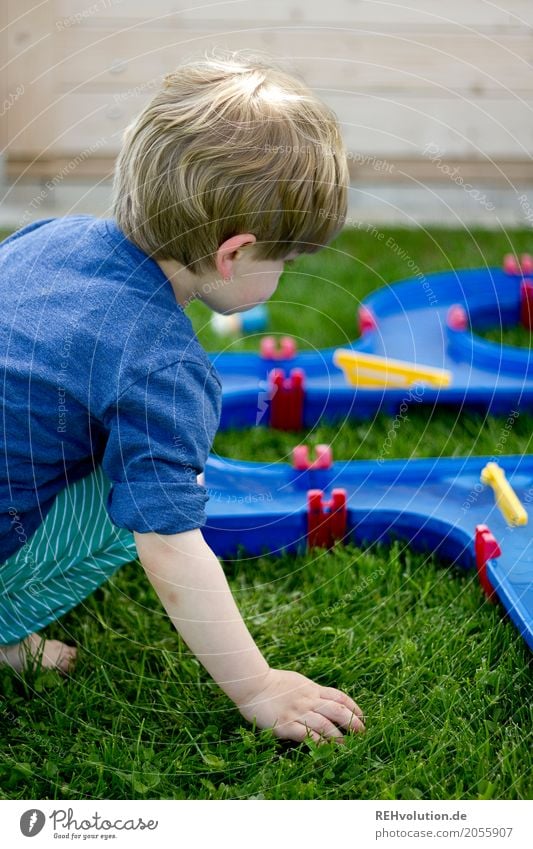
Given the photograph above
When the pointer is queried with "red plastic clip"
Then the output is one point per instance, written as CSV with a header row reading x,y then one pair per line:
x,y
526,304
526,264
326,520
301,461
367,320
286,399
511,264
287,348
457,318
487,548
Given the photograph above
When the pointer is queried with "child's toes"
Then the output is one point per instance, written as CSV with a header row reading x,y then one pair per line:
x,y
57,655
67,658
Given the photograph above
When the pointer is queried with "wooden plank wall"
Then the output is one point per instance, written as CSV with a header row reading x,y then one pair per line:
x,y
414,84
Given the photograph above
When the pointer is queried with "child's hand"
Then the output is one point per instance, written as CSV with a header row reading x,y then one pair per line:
x,y
192,586
294,706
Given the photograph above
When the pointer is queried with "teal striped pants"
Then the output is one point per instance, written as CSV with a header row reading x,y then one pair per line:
x,y
73,552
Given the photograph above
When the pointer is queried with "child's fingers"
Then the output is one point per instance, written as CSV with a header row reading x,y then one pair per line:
x,y
338,696
314,735
322,724
340,714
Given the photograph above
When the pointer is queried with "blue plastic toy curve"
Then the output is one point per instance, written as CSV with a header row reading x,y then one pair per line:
x,y
411,325
434,504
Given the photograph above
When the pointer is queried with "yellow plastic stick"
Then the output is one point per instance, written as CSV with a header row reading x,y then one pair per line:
x,y
506,498
370,370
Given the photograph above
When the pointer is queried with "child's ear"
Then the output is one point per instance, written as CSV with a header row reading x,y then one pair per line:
x,y
231,250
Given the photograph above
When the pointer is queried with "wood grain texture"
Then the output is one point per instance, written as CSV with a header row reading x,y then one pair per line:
x,y
404,79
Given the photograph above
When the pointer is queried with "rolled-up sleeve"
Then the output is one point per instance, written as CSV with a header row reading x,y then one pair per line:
x,y
161,429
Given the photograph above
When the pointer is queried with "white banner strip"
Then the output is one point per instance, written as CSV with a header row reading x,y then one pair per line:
x,y
261,824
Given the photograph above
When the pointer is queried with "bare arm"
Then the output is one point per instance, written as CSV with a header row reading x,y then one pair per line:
x,y
193,589
192,586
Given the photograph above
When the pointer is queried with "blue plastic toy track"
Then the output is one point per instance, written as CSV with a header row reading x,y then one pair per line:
x,y
432,504
411,319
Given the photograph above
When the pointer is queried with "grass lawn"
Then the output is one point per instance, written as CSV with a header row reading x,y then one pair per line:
x,y
444,680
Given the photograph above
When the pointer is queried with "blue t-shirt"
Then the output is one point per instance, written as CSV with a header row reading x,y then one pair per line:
x,y
99,364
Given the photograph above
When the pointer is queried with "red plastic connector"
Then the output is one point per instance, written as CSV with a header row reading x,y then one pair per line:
x,y
286,399
487,548
526,264
526,304
511,264
287,348
301,461
326,520
367,320
457,318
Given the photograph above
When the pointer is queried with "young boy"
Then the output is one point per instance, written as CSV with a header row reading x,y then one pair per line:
x,y
110,403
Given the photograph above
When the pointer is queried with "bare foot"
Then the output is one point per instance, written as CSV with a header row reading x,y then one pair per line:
x,y
52,654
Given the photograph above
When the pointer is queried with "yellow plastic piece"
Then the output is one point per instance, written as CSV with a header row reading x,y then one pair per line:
x,y
506,498
370,370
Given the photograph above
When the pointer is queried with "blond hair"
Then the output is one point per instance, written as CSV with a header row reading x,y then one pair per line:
x,y
231,145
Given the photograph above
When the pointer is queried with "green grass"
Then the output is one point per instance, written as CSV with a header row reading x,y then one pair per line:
x,y
443,678
518,336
